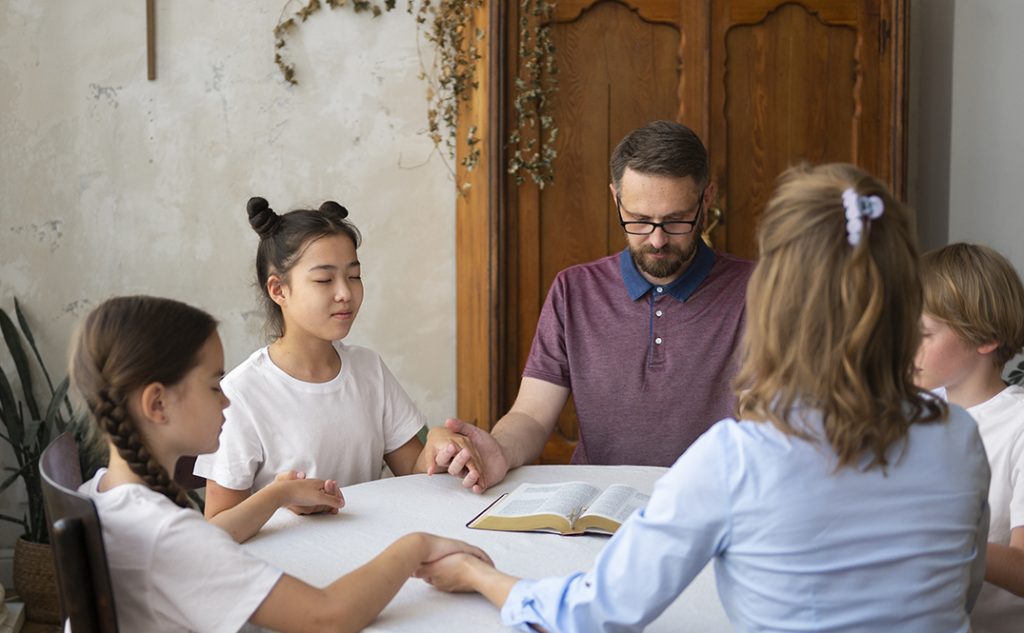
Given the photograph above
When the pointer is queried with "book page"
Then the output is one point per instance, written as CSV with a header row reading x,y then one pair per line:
x,y
617,502
562,499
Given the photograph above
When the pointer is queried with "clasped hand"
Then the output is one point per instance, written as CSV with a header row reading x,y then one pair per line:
x,y
465,451
310,496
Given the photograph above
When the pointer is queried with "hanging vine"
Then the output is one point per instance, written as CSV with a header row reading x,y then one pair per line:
x,y
451,76
531,142
287,24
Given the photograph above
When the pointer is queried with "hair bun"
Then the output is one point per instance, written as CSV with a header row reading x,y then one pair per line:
x,y
333,208
262,218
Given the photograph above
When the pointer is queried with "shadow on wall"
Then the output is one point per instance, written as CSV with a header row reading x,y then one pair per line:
x,y
930,118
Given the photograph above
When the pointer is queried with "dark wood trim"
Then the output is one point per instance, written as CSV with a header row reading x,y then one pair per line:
x,y
899,22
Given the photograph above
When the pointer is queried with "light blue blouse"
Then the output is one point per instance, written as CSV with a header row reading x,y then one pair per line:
x,y
797,545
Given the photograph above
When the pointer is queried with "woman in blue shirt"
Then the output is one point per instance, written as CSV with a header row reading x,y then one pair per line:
x,y
844,498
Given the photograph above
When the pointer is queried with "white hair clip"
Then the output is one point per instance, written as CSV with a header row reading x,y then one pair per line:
x,y
858,209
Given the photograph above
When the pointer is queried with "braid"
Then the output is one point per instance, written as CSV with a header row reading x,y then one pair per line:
x,y
121,348
114,420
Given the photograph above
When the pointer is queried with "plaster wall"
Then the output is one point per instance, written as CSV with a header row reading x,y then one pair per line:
x,y
987,141
111,184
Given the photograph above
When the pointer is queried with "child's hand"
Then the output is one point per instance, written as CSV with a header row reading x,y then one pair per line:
x,y
442,449
309,496
453,573
470,453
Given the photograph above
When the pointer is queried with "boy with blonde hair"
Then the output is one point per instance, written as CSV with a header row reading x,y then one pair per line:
x,y
973,323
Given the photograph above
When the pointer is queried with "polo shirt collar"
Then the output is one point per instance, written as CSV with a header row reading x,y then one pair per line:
x,y
680,289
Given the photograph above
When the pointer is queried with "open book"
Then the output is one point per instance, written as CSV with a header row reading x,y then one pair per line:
x,y
573,507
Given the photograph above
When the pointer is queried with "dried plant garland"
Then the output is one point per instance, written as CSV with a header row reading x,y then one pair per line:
x,y
289,23
531,142
451,76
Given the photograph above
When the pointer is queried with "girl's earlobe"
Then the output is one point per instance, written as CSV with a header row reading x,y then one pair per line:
x,y
275,290
152,403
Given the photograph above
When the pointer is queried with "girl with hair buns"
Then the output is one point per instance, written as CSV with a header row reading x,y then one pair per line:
x,y
843,498
308,405
149,370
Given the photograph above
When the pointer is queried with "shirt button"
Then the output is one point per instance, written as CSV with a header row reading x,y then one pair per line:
x,y
657,341
658,313
660,289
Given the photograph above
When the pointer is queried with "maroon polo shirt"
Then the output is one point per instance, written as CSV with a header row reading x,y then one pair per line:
x,y
650,367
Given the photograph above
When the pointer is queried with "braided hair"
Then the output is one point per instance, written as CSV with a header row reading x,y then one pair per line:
x,y
125,344
283,240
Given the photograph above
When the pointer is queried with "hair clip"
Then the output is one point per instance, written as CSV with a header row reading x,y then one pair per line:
x,y
858,209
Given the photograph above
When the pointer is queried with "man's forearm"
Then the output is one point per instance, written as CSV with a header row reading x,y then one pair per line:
x,y
520,437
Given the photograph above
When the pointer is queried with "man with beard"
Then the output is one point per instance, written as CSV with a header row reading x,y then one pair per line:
x,y
644,340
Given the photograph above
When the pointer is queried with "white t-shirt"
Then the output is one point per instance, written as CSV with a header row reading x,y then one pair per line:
x,y
1001,424
172,571
340,429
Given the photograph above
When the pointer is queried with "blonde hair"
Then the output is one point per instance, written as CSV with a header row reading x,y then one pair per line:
x,y
977,293
832,326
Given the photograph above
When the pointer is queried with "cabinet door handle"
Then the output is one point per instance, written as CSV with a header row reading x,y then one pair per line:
x,y
716,217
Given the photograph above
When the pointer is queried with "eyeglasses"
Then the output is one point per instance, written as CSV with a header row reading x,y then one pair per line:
x,y
671,227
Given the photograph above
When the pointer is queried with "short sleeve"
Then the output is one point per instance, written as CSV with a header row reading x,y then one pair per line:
x,y
1017,482
402,418
649,561
548,359
240,454
203,580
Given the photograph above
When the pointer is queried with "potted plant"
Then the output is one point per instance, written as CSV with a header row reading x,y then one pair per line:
x,y
1016,376
29,425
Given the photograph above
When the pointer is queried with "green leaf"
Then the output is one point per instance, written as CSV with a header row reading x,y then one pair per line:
x,y
10,411
13,340
27,331
31,434
53,418
7,483
22,522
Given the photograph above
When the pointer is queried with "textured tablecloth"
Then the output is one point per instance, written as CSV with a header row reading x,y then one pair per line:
x,y
319,549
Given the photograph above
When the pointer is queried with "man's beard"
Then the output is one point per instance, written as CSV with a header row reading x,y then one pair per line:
x,y
662,268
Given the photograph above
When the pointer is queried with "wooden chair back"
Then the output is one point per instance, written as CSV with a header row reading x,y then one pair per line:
x,y
83,578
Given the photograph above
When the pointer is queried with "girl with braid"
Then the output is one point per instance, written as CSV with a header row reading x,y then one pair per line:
x,y
149,370
842,498
308,403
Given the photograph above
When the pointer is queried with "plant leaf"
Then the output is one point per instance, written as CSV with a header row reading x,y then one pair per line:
x,y
7,483
21,522
31,431
10,412
53,418
13,340
27,332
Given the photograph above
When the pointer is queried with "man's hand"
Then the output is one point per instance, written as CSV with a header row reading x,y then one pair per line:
x,y
441,441
481,463
309,496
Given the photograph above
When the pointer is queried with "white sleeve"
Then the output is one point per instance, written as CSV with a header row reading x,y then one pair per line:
x,y
402,419
976,577
201,578
1017,482
240,454
654,555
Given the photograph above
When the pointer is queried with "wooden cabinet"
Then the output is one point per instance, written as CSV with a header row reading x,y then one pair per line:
x,y
765,83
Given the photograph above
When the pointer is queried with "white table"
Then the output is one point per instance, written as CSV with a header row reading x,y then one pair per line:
x,y
319,549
